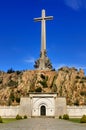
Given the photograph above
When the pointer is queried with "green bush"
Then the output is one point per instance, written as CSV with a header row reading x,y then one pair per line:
x,y
25,116
60,117
66,117
83,119
18,117
1,121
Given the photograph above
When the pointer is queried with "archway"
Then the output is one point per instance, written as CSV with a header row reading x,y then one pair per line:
x,y
43,111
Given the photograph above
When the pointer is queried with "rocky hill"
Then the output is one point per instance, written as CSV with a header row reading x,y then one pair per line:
x,y
68,82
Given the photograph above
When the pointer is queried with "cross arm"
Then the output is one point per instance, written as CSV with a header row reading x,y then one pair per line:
x,y
48,18
37,19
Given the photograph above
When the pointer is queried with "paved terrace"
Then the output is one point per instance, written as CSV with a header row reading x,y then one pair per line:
x,y
42,124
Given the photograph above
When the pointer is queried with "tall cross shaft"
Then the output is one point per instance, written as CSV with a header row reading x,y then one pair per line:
x,y
43,19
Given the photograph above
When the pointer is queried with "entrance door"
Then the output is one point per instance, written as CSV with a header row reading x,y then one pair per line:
x,y
43,110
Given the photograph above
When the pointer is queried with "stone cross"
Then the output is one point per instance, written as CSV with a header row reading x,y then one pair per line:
x,y
43,19
43,63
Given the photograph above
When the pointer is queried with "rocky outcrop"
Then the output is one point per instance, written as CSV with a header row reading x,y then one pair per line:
x,y
68,82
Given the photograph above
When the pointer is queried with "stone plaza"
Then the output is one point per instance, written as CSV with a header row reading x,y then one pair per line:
x,y
42,124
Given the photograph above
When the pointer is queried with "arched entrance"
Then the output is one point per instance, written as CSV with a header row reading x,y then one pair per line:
x,y
43,110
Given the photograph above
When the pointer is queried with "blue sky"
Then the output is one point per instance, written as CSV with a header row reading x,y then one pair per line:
x,y
20,37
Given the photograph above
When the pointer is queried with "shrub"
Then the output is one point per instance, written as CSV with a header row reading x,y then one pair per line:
x,y
12,97
83,119
54,88
81,81
60,117
61,69
77,77
84,78
25,116
42,76
76,103
1,80
12,83
83,93
18,117
18,99
66,117
1,121
18,72
43,83
60,91
38,89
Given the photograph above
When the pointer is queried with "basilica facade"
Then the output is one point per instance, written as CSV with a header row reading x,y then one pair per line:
x,y
43,104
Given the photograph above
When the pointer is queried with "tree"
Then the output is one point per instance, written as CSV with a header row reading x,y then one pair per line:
x,y
10,71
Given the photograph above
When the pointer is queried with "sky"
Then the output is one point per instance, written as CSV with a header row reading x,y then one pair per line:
x,y
20,36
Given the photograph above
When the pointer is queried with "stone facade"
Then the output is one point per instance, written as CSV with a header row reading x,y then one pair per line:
x,y
43,105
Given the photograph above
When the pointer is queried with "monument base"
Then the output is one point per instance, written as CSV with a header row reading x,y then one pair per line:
x,y
43,63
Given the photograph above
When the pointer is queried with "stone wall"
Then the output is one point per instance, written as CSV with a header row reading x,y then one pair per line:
x,y
76,111
24,109
9,111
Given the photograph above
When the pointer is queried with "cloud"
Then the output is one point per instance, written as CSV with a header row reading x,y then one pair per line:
x,y
76,4
30,60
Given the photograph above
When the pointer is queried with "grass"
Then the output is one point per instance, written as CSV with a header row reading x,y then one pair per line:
x,y
7,120
75,120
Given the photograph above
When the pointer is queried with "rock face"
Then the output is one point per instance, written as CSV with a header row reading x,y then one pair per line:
x,y
68,82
